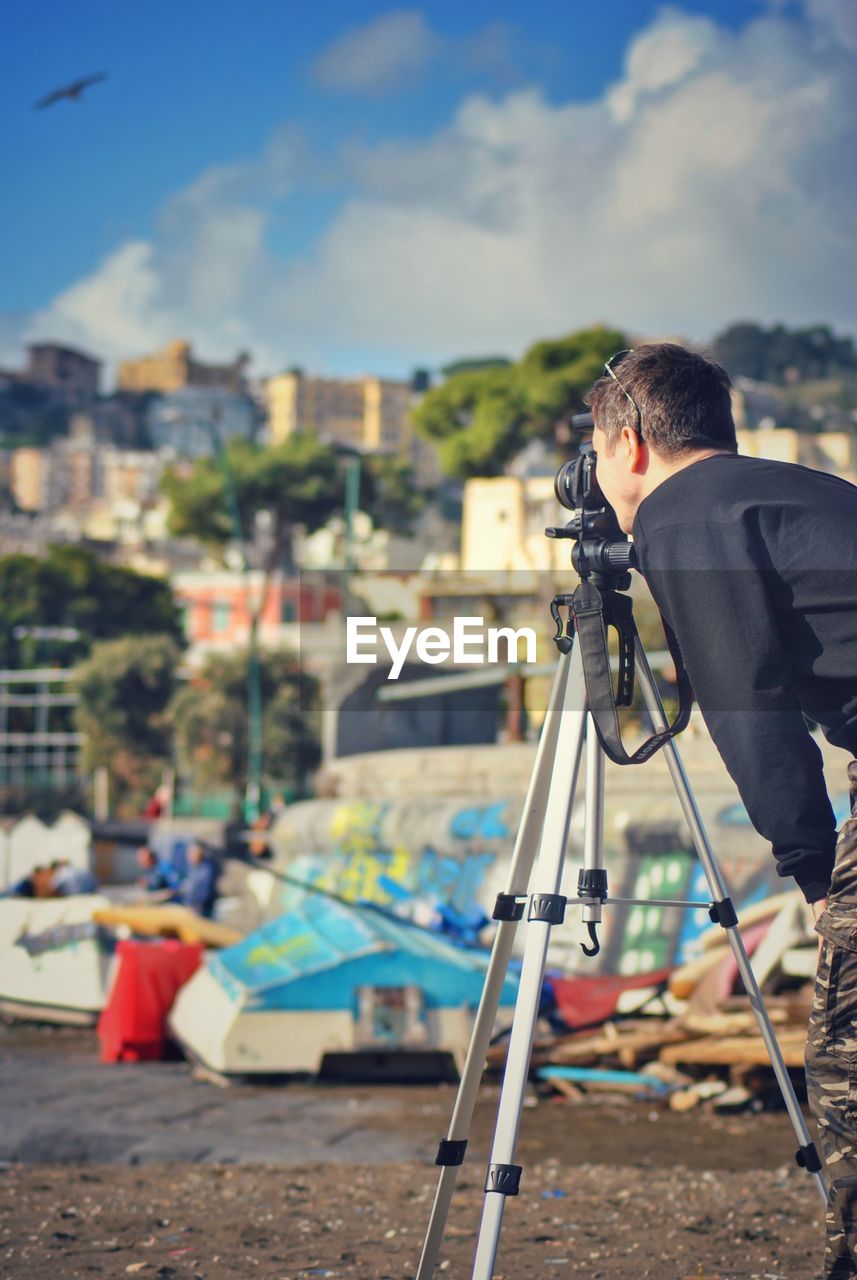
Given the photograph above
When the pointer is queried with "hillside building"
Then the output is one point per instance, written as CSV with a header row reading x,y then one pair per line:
x,y
175,367
370,414
70,377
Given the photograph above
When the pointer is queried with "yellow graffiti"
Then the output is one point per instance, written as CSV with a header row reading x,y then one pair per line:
x,y
355,828
299,945
400,864
353,825
359,878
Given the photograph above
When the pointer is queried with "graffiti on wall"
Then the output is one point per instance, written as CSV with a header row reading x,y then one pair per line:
x,y
429,858
413,858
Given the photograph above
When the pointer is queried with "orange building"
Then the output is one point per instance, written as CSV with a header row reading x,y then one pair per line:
x,y
217,606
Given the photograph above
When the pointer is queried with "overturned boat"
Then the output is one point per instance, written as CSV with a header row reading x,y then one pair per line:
x,y
334,988
54,959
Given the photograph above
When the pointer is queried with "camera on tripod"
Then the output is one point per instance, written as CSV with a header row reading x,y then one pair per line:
x,y
603,557
601,548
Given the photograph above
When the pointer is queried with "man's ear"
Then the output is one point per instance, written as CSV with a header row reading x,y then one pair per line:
x,y
634,451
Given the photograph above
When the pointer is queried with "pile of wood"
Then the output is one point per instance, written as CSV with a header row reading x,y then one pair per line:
x,y
708,1047
688,1058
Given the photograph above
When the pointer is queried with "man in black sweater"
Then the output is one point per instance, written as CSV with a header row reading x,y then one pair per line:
x,y
753,565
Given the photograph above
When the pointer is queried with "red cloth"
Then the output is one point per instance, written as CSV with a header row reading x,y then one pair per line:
x,y
133,1024
587,1001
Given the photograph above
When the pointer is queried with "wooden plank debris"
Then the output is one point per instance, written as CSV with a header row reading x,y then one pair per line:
x,y
745,1051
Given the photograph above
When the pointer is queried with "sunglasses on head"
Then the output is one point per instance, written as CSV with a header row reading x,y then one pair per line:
x,y
608,369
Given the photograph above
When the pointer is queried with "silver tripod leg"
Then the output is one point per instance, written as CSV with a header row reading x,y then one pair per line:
x,y
451,1153
720,896
593,876
546,908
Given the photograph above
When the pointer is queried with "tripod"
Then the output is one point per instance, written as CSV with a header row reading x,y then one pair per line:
x,y
568,730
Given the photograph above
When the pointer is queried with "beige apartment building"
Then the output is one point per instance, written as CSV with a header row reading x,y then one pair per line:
x,y
28,478
175,367
372,414
65,476
503,524
831,451
131,475
79,470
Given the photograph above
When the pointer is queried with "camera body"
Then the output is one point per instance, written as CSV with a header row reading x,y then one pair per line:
x,y
601,548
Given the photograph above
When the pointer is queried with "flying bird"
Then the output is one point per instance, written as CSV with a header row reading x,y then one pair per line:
x,y
71,91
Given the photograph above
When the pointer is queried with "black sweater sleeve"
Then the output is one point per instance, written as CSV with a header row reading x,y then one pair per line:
x,y
720,609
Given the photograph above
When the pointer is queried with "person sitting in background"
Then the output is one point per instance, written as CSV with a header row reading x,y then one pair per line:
x,y
68,880
198,889
23,888
158,876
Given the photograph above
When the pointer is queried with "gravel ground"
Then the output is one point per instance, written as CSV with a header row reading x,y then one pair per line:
x,y
184,1179
367,1222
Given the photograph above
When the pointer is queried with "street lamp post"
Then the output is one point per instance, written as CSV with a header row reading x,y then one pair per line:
x,y
352,500
253,786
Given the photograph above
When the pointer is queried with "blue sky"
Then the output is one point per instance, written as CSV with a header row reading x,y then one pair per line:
x,y
361,185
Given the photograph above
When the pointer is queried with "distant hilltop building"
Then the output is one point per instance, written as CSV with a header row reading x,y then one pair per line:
x,y
370,414
755,404
81,468
70,376
196,421
175,367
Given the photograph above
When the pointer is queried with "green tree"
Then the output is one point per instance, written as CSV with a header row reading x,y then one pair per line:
x,y
476,419
297,482
70,587
480,418
782,355
389,494
123,689
472,364
211,727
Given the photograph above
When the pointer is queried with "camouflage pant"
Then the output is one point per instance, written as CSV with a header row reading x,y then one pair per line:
x,y
831,1052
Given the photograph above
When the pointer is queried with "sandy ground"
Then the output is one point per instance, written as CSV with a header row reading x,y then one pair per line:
x,y
303,1180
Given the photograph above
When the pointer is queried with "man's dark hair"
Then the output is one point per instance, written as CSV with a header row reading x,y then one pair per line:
x,y
684,400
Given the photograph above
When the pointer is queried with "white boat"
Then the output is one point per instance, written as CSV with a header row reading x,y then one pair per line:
x,y
54,960
334,988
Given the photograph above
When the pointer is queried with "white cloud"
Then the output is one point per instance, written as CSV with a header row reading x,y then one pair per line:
x,y
377,56
118,305
393,52
713,182
661,58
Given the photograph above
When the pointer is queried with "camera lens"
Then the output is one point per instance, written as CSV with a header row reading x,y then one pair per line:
x,y
564,484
